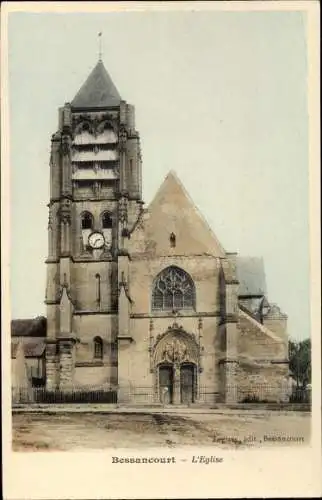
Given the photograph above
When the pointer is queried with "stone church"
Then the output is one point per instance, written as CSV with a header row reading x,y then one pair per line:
x,y
144,301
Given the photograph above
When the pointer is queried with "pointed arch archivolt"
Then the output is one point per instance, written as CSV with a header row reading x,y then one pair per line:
x,y
107,125
176,346
84,127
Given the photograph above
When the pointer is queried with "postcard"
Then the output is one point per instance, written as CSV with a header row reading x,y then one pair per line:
x,y
160,228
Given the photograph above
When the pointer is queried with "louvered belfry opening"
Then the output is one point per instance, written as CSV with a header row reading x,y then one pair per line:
x,y
95,136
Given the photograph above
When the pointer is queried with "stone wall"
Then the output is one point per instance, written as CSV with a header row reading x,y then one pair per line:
x,y
279,327
263,366
173,211
52,367
263,382
90,370
84,285
92,377
202,269
256,341
67,364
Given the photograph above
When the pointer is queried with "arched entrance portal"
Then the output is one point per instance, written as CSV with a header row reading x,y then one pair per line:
x,y
176,361
177,383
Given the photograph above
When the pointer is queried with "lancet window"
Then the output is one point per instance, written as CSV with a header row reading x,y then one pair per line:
x,y
98,348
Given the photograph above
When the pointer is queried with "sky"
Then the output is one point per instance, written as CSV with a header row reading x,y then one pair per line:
x,y
220,97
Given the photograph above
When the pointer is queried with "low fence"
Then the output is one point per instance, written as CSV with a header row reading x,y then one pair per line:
x,y
260,394
301,395
73,395
150,396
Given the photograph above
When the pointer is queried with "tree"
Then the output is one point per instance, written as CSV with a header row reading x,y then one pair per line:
x,y
300,361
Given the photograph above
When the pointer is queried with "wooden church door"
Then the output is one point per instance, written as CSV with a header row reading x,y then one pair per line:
x,y
166,383
187,383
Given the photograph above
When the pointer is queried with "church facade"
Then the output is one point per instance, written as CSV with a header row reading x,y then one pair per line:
x,y
146,301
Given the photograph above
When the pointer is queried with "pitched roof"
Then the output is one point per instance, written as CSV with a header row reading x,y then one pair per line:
x,y
251,276
98,91
251,305
30,349
35,327
172,210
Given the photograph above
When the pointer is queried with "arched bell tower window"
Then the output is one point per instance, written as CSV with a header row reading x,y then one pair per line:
x,y
107,225
173,289
87,225
82,131
85,127
107,221
108,126
98,348
87,220
106,132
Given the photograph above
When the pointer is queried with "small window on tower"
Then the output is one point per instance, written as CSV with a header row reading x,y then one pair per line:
x,y
107,221
87,221
172,240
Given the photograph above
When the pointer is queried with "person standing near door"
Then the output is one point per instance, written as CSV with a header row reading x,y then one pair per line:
x,y
165,395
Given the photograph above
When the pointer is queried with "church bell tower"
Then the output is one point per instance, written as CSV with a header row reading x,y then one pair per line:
x,y
95,202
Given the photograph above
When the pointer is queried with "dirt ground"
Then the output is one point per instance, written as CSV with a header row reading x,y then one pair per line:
x,y
225,429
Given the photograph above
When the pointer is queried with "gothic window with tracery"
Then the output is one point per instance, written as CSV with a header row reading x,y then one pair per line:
x,y
173,289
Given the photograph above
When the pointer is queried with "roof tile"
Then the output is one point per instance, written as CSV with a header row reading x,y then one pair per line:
x,y
98,91
251,276
35,327
31,349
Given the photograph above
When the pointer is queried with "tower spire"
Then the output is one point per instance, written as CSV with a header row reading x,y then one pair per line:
x,y
100,46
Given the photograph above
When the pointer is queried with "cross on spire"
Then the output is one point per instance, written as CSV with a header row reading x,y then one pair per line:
x,y
100,46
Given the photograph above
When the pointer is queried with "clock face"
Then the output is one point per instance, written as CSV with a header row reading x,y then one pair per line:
x,y
96,240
